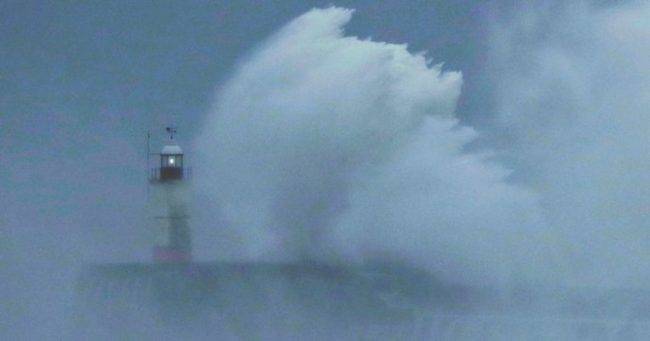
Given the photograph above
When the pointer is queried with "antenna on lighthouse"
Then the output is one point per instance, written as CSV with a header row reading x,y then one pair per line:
x,y
171,131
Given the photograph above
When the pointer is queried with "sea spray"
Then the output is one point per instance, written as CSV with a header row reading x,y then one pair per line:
x,y
326,146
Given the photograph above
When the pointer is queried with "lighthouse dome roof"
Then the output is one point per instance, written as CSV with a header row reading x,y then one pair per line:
x,y
171,150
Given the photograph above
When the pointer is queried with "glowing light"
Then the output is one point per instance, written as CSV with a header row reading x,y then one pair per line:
x,y
171,161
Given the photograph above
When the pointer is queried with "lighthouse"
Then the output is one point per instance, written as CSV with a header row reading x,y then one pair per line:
x,y
168,205
112,299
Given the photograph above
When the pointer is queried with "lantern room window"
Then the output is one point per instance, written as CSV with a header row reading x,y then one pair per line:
x,y
174,160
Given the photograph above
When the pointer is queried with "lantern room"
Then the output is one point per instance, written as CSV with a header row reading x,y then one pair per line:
x,y
171,163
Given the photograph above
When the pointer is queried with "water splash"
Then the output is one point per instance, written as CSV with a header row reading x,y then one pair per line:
x,y
324,145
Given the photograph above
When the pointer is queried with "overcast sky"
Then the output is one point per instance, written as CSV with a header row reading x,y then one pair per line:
x,y
81,83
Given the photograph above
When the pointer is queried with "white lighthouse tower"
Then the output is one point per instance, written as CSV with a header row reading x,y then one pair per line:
x,y
168,205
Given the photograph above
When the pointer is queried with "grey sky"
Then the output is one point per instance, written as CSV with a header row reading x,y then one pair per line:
x,y
80,83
